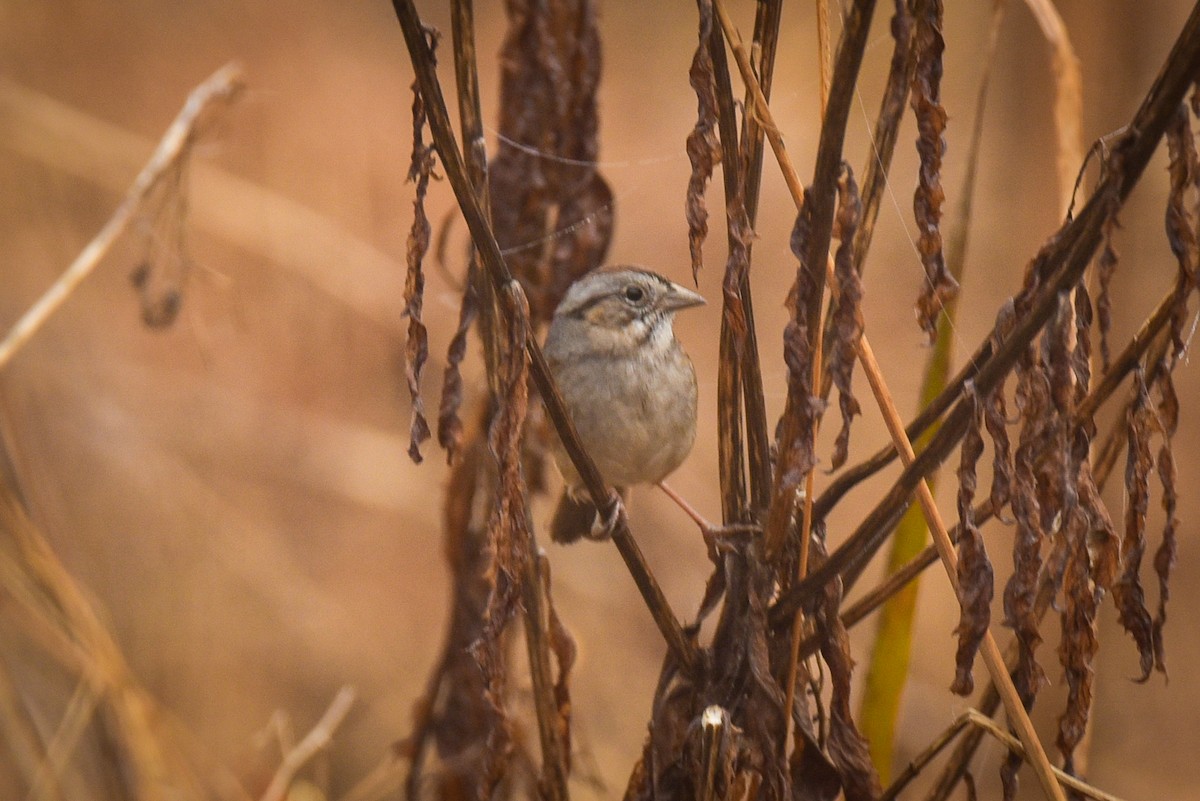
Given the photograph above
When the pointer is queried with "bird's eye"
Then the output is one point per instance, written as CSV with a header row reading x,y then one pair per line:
x,y
634,293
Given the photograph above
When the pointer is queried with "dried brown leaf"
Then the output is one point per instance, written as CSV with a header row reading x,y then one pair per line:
x,y
847,321
975,579
1127,591
450,426
802,411
926,102
416,349
1020,593
703,146
1164,557
1078,646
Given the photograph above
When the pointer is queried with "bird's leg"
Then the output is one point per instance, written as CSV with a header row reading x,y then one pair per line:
x,y
714,535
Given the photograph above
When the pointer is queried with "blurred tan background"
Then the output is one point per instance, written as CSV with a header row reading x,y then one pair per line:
x,y
235,491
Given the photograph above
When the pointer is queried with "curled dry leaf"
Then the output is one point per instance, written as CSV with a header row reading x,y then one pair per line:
x,y
926,102
1181,222
416,349
450,426
803,409
1020,593
703,147
455,713
1127,591
1078,646
847,321
975,581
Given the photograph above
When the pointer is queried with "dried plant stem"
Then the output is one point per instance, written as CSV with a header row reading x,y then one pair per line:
x,y
537,636
823,56
222,86
926,756
310,745
760,107
498,273
991,652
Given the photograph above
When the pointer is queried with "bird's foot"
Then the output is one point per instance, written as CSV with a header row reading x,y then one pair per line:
x,y
608,518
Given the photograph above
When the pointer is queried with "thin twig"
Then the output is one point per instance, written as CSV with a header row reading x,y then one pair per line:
x,y
760,107
927,755
605,499
78,714
310,745
975,718
223,86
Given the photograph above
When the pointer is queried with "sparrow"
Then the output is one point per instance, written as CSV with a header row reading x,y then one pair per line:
x,y
626,381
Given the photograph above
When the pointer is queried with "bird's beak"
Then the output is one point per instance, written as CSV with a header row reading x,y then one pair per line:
x,y
680,297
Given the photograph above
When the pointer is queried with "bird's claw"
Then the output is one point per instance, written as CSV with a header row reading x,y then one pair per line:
x,y
607,519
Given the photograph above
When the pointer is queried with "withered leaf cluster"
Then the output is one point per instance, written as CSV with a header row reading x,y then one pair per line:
x,y
552,212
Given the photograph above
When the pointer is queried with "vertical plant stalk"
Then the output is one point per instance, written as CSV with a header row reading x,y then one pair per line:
x,y
992,657
734,327
606,501
766,41
887,669
818,370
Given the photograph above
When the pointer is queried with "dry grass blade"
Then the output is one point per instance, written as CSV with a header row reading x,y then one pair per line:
x,y
1068,98
75,719
221,87
317,739
63,620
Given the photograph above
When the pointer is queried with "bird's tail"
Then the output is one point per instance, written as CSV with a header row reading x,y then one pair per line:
x,y
573,518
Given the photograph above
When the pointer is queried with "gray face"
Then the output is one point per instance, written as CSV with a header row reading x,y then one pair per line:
x,y
616,299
